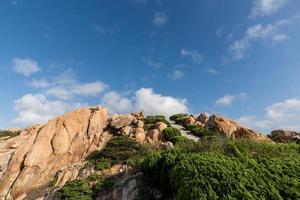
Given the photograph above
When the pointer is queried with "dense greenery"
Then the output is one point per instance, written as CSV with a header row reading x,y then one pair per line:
x,y
223,169
9,134
172,134
199,131
119,150
75,190
151,120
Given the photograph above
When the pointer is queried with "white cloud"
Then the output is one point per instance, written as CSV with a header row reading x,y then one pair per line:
x,y
176,74
37,108
194,54
271,33
211,71
106,30
159,19
115,103
266,7
282,115
66,87
39,83
227,100
145,99
25,66
152,63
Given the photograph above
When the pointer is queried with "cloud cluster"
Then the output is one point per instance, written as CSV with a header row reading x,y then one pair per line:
x,y
281,115
25,66
159,19
144,99
270,32
227,100
266,7
35,109
194,54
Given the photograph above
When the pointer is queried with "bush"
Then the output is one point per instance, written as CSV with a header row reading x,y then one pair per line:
x,y
75,190
155,119
171,134
176,116
199,131
119,150
231,171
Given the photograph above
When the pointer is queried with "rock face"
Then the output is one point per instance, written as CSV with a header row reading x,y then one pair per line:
x,y
43,151
284,136
203,118
231,129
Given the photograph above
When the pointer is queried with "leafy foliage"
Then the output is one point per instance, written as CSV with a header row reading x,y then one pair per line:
x,y
150,120
199,131
75,190
228,170
172,134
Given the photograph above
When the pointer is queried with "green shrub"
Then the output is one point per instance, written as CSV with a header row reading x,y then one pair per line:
x,y
9,134
176,116
119,150
155,119
199,131
171,134
75,190
230,170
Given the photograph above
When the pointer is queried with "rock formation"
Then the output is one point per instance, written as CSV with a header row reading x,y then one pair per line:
x,y
285,136
231,129
41,152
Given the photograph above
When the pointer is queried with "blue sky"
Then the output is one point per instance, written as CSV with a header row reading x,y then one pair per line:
x,y
237,58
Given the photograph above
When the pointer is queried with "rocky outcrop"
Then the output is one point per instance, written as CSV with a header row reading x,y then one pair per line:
x,y
231,129
43,151
203,118
285,136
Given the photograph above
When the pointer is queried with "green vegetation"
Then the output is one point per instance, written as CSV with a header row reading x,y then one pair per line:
x,y
119,150
150,121
8,134
176,116
224,169
75,190
199,131
172,134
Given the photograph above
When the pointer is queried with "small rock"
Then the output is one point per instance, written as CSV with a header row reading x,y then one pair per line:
x,y
140,135
126,130
140,124
203,118
160,126
154,135
119,121
168,145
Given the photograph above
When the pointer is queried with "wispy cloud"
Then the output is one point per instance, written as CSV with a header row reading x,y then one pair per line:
x,y
25,66
159,19
211,71
194,54
266,7
152,63
176,74
106,30
227,100
258,32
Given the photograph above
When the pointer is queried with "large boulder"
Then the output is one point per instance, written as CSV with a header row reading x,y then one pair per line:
x,y
284,136
43,151
160,126
203,118
231,129
119,121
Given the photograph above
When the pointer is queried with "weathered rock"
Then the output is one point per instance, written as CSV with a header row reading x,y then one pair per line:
x,y
161,126
190,120
140,135
138,115
203,118
231,129
140,124
119,121
126,130
45,150
154,134
198,123
168,145
284,136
